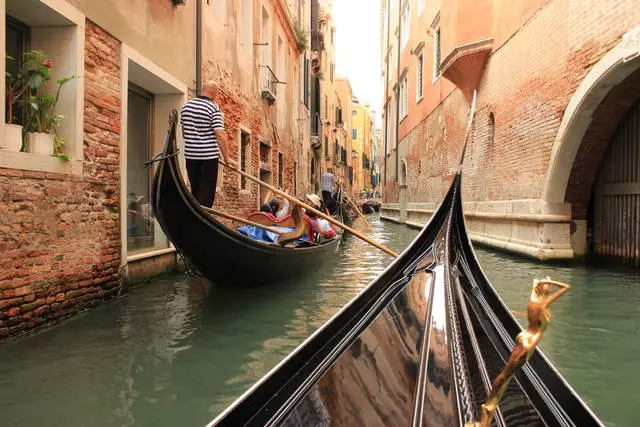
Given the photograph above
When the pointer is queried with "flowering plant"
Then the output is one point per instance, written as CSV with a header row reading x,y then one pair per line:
x,y
27,87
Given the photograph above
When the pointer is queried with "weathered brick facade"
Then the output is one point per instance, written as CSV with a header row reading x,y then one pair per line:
x,y
60,233
526,86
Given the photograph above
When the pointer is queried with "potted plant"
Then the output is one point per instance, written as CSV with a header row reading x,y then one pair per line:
x,y
41,119
15,89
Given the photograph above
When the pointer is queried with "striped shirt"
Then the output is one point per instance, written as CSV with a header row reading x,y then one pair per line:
x,y
200,118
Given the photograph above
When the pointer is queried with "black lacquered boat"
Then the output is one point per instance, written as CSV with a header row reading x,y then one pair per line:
x,y
221,254
419,346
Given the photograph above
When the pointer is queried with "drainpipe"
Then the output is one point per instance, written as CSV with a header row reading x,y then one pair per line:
x,y
199,47
398,94
386,90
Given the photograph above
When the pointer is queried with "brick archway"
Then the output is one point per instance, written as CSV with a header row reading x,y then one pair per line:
x,y
600,102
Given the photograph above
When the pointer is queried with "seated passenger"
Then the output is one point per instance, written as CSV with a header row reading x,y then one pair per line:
x,y
320,225
280,207
266,208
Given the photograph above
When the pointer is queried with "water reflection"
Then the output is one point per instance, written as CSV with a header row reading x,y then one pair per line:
x,y
177,351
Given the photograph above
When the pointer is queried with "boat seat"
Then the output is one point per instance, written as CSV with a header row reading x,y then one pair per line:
x,y
265,218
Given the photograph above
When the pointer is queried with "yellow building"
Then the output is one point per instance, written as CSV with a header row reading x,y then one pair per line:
x,y
361,142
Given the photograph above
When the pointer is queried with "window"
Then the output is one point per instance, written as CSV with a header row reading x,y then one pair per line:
x,y
247,25
491,126
17,43
265,169
354,133
266,54
402,98
405,25
142,232
220,10
419,77
327,155
354,113
420,7
305,83
60,35
245,157
436,53
280,170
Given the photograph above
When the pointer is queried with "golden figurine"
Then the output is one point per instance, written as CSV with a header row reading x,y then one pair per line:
x,y
539,317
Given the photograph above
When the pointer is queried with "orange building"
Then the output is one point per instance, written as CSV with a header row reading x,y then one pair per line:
x,y
558,86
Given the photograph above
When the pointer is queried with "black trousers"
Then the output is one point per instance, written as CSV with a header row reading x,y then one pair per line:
x,y
329,202
203,176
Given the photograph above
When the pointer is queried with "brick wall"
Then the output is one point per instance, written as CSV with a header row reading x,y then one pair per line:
x,y
59,233
257,117
527,84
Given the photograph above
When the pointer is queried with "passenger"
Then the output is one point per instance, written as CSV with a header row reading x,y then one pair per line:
x,y
266,208
320,225
280,207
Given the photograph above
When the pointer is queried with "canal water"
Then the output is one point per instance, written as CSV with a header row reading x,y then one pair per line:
x,y
177,351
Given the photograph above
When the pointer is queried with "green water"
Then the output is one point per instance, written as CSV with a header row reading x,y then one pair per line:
x,y
176,351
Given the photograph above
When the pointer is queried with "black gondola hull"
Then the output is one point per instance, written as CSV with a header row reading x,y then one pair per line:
x,y
221,254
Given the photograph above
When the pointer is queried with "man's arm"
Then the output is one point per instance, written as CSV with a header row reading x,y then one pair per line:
x,y
223,144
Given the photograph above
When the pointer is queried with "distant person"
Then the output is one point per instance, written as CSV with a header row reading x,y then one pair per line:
x,y
327,182
204,139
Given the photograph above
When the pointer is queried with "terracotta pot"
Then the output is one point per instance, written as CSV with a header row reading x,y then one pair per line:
x,y
40,143
12,137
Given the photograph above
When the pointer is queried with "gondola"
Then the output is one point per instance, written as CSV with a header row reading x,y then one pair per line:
x,y
218,252
419,346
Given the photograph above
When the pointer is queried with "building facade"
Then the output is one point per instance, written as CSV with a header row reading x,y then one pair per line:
x,y
76,229
362,145
330,98
556,98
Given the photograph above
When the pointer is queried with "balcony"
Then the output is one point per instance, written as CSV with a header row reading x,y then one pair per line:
x,y
269,86
317,41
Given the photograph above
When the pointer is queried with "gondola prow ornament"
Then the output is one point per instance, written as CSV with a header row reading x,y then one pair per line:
x,y
539,317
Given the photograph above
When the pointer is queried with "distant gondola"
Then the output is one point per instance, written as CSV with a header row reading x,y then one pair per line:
x,y
419,346
220,253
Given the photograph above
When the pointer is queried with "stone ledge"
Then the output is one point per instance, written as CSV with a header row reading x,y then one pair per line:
x,y
38,162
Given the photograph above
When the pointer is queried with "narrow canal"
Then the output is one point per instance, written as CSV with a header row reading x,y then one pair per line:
x,y
178,350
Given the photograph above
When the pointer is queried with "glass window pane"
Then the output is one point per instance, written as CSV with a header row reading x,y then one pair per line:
x,y
143,231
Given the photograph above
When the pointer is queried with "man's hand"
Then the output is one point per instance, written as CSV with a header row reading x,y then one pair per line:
x,y
232,163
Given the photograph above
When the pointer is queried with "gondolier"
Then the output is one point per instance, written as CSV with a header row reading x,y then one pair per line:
x,y
205,138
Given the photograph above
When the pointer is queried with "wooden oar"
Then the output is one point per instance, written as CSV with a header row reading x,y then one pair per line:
x,y
357,210
312,209
242,220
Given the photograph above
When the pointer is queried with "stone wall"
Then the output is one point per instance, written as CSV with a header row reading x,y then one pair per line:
x,y
60,233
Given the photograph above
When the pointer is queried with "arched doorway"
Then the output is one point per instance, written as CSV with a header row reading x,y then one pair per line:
x,y
614,216
598,106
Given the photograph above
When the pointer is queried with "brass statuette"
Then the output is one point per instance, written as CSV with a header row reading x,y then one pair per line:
x,y
526,342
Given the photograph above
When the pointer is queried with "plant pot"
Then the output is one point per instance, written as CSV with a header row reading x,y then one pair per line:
x,y
12,137
40,143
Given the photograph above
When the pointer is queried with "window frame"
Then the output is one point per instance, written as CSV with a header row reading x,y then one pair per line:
x,y
405,24
74,124
437,49
420,77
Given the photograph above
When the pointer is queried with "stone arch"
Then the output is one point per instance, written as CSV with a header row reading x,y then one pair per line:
x,y
607,79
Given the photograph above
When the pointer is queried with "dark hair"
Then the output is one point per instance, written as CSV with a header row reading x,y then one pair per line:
x,y
275,205
266,207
